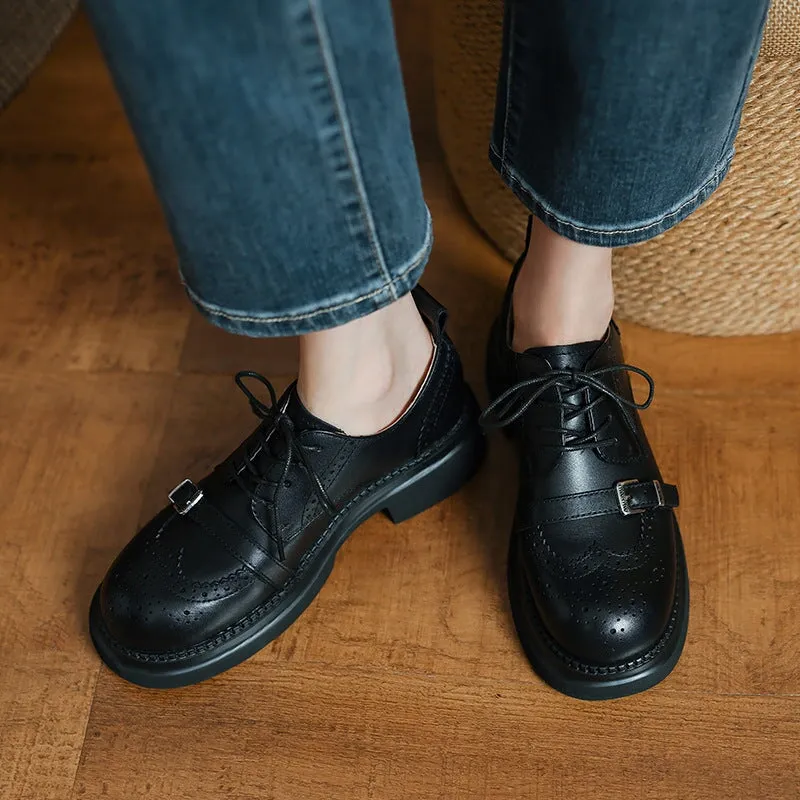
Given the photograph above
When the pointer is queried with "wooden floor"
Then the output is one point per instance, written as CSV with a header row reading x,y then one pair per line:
x,y
404,679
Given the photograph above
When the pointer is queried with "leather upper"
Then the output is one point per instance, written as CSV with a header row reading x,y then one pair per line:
x,y
603,582
187,578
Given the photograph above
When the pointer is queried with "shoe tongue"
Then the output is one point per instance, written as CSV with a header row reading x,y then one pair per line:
x,y
571,356
302,418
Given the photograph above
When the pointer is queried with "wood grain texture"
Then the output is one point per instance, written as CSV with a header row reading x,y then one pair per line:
x,y
404,679
286,732
86,260
208,349
64,512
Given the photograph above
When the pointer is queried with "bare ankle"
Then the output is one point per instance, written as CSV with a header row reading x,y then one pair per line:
x,y
361,376
564,293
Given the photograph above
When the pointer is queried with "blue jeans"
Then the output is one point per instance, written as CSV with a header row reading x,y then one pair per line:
x,y
277,136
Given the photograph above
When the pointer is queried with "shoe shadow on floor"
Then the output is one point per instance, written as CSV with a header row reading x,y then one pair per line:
x,y
473,296
490,499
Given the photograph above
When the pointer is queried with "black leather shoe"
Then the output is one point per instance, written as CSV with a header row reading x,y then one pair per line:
x,y
236,558
596,571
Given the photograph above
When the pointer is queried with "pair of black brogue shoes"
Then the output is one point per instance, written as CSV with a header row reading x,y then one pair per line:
x,y
596,571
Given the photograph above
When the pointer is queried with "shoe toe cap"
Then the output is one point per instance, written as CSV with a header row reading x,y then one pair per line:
x,y
608,610
618,628
151,602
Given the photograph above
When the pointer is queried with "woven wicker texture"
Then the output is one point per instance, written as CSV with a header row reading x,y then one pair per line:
x,y
28,29
782,35
731,268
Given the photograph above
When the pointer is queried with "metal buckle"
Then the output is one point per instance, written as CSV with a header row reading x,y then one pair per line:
x,y
185,496
625,503
659,494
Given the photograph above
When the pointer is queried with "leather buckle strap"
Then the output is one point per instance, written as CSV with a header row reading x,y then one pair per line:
x,y
636,497
625,497
231,537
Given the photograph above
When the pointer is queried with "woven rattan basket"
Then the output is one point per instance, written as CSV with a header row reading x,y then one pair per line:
x,y
731,268
28,29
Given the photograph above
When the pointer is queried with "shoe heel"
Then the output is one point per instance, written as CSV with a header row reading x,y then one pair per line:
x,y
438,480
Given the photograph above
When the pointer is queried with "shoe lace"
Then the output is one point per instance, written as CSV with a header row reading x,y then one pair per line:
x,y
251,471
517,399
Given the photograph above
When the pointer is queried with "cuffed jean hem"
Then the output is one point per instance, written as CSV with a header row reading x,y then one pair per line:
x,y
621,234
328,313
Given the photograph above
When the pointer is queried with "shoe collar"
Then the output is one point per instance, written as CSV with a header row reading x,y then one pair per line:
x,y
433,313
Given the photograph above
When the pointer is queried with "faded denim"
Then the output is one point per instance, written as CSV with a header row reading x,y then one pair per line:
x,y
615,119
277,136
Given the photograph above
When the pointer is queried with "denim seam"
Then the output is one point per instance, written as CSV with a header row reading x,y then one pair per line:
x,y
416,259
508,82
347,134
509,174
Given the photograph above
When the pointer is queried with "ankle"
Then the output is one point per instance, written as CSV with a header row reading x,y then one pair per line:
x,y
564,293
556,321
361,376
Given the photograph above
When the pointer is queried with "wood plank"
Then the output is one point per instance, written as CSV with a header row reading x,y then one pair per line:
x,y
736,462
88,274
208,349
348,732
75,451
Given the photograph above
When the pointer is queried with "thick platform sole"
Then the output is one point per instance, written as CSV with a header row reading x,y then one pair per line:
x,y
431,478
556,672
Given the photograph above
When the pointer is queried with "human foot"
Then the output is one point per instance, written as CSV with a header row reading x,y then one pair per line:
x,y
360,376
596,571
563,292
238,557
